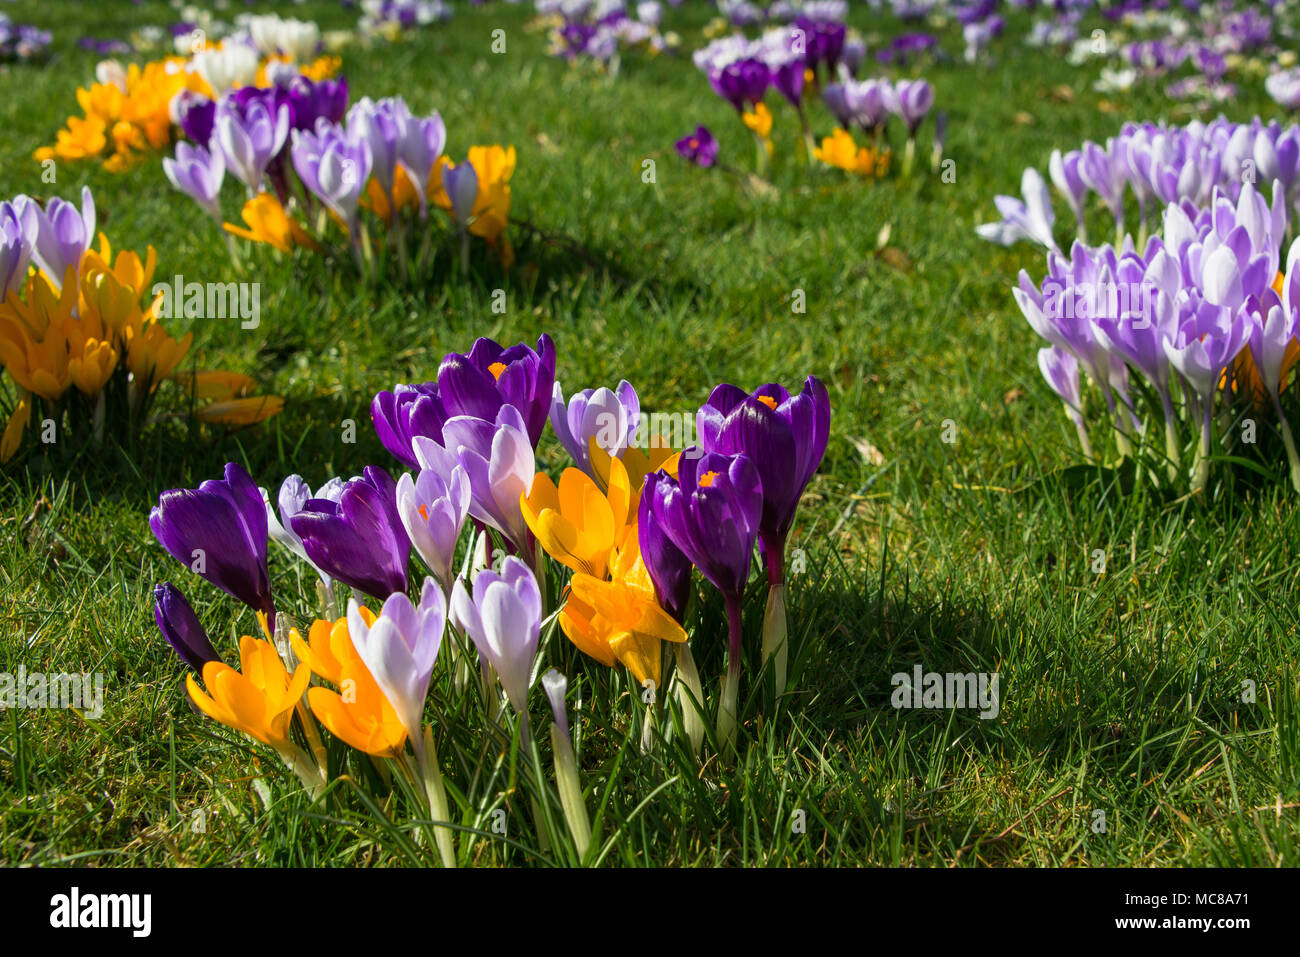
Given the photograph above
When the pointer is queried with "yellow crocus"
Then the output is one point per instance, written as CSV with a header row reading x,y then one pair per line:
x,y
257,700
153,354
620,619
128,270
109,304
248,410
269,223
636,463
91,369
575,522
839,150
34,336
360,715
760,121
13,434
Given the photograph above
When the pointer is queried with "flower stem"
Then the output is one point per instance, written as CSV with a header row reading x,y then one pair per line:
x,y
426,757
727,707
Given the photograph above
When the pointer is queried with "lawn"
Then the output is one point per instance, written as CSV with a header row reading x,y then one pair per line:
x,y
1126,733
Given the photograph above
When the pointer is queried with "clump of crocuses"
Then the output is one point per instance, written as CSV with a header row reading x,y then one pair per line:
x,y
458,564
315,170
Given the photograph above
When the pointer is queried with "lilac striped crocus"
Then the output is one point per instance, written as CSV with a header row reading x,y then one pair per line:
x,y
1030,218
198,174
433,508
502,615
335,168
219,532
608,417
359,539
63,233
249,137
381,125
497,457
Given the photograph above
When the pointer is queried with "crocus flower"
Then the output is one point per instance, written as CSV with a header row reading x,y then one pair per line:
x,y
1284,88
566,762
503,619
1061,372
575,522
195,114
910,101
181,627
292,498
63,233
712,513
418,149
461,183
18,229
249,138
408,411
620,619
700,148
198,174
498,459
433,509
260,700
359,539
1069,182
335,168
742,83
784,436
610,418
478,382
381,126
669,569
1030,219
362,716
400,647
219,531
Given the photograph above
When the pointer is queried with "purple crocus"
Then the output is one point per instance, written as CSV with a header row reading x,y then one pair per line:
x,y
669,568
711,512
359,539
742,83
402,414
198,174
292,498
180,626
910,101
249,137
219,532
195,114
700,148
334,167
479,382
784,436
311,101
610,418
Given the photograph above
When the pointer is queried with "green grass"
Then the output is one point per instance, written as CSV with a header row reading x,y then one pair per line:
x,y
1121,691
